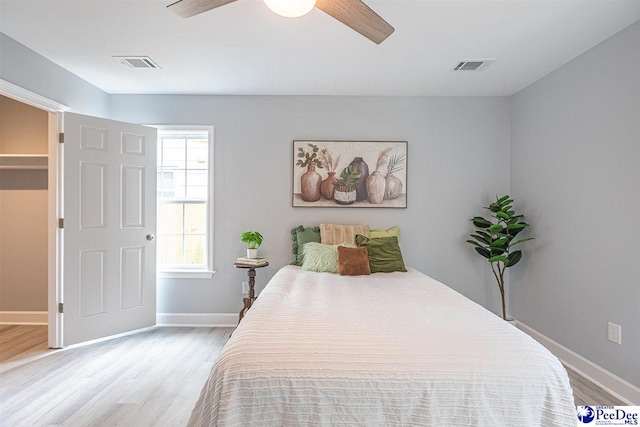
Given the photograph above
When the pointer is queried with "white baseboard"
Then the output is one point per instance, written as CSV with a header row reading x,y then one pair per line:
x,y
622,389
23,318
225,320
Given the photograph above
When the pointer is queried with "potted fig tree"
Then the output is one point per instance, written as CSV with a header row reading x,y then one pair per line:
x,y
494,239
253,240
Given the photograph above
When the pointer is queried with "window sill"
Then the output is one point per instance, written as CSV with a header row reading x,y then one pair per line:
x,y
185,274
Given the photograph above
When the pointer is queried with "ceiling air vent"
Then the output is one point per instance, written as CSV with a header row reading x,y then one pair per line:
x,y
473,65
136,61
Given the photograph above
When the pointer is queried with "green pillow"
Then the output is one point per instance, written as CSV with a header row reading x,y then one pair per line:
x,y
384,253
393,231
320,257
300,236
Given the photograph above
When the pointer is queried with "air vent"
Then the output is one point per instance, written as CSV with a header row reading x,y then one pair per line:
x,y
473,65
136,61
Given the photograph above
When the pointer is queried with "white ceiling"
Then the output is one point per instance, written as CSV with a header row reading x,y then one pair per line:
x,y
243,48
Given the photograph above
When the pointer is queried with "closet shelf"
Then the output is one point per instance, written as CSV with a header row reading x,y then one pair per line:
x,y
24,161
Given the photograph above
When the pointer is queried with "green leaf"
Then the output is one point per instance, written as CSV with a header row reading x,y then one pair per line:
x,y
498,258
503,215
506,203
480,222
514,258
485,235
494,207
518,226
481,239
496,251
500,242
496,228
473,242
517,242
483,251
503,198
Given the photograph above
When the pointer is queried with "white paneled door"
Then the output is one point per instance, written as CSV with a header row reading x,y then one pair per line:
x,y
109,265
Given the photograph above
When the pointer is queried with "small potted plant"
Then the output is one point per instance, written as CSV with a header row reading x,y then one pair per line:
x,y
253,240
345,193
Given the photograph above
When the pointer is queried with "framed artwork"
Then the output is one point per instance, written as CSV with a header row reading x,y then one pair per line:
x,y
350,174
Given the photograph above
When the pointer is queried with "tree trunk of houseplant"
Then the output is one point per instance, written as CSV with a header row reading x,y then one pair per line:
x,y
310,185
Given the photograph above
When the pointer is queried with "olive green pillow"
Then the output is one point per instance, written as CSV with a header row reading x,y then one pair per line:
x,y
300,236
384,253
376,234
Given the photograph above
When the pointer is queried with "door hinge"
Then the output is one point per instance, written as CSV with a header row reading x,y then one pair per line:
x,y
60,308
61,137
60,222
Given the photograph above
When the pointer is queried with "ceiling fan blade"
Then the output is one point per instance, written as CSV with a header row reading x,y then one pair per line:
x,y
189,8
358,16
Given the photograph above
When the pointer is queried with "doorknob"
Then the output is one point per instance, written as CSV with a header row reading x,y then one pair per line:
x,y
150,237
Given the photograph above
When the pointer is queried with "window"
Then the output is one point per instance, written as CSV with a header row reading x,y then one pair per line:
x,y
185,201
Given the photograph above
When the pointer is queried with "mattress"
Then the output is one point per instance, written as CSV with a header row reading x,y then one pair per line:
x,y
394,349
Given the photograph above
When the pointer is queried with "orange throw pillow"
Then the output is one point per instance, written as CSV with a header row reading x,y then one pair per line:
x,y
353,261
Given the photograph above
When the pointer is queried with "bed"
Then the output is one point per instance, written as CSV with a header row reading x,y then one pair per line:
x,y
394,349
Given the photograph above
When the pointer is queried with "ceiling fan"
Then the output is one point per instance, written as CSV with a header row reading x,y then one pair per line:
x,y
353,13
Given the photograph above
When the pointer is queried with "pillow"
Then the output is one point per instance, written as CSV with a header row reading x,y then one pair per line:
x,y
300,236
384,254
320,257
376,234
332,234
353,261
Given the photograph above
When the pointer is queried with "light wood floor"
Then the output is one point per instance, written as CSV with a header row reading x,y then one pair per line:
x,y
151,378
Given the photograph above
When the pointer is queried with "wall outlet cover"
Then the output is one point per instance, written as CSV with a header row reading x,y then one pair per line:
x,y
615,333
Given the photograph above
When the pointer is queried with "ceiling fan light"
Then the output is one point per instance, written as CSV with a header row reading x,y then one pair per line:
x,y
290,8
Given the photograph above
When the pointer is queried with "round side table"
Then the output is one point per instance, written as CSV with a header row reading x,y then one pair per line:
x,y
251,272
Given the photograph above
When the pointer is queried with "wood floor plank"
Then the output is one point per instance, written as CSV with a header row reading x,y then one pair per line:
x,y
151,378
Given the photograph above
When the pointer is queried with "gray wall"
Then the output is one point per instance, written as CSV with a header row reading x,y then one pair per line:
x,y
576,171
23,67
459,154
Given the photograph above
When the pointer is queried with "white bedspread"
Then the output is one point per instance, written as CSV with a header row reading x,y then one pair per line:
x,y
387,349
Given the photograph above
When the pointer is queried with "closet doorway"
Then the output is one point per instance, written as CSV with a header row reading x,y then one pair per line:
x,y
28,201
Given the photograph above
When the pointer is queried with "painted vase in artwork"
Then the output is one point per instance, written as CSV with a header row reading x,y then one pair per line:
x,y
393,186
310,185
328,186
375,187
344,195
361,186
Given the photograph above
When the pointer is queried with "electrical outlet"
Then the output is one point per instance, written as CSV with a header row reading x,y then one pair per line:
x,y
245,287
615,333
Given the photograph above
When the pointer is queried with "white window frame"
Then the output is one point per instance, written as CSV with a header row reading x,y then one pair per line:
x,y
209,270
